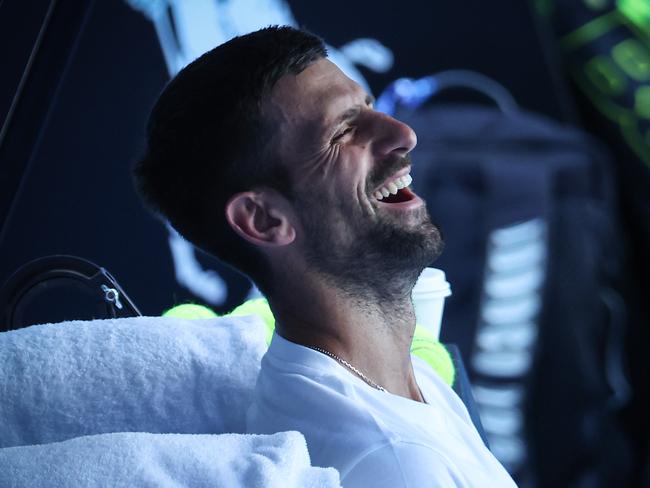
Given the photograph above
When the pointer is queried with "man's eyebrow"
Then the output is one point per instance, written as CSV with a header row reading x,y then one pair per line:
x,y
351,113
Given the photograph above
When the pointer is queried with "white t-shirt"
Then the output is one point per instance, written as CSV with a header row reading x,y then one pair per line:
x,y
373,438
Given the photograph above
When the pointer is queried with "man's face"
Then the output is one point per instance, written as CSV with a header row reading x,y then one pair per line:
x,y
349,165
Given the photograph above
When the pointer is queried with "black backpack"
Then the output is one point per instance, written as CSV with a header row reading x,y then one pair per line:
x,y
534,256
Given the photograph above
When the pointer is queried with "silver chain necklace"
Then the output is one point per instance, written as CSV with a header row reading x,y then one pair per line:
x,y
350,367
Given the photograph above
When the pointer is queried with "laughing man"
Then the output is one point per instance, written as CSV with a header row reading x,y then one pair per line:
x,y
264,154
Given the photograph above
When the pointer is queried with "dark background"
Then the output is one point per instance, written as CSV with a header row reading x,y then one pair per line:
x,y
65,186
78,78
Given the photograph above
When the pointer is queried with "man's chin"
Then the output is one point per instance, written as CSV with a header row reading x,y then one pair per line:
x,y
413,220
389,264
408,246
385,254
414,224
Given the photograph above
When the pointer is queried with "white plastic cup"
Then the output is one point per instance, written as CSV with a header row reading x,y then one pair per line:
x,y
428,297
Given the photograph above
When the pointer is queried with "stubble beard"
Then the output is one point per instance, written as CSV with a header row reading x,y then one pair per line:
x,y
379,259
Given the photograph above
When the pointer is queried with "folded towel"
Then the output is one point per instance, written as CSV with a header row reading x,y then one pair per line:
x,y
166,460
144,374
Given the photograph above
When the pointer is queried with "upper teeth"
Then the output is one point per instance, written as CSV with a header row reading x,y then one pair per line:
x,y
393,187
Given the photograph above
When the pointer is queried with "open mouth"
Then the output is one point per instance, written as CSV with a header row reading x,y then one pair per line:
x,y
395,190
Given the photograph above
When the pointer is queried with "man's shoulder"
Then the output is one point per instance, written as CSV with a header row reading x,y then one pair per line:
x,y
402,463
409,464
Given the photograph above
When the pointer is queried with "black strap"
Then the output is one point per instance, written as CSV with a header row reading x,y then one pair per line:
x,y
38,275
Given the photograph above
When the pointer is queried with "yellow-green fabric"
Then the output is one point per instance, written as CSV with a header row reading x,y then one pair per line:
x,y
427,347
190,311
259,307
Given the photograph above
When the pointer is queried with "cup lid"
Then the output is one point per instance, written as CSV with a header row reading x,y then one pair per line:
x,y
432,280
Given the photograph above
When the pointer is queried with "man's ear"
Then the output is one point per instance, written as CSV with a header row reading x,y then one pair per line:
x,y
261,217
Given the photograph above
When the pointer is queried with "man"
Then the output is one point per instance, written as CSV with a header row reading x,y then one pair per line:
x,y
265,154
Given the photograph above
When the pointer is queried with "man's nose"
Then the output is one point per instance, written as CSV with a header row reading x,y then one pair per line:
x,y
391,135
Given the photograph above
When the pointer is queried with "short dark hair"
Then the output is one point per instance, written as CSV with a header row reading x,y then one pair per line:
x,y
207,139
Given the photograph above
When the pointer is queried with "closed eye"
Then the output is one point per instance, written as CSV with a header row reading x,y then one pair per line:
x,y
343,133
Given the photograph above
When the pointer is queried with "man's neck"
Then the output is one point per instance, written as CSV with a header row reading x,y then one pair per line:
x,y
373,336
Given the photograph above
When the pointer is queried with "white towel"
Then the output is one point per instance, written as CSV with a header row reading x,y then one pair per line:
x,y
166,460
145,374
